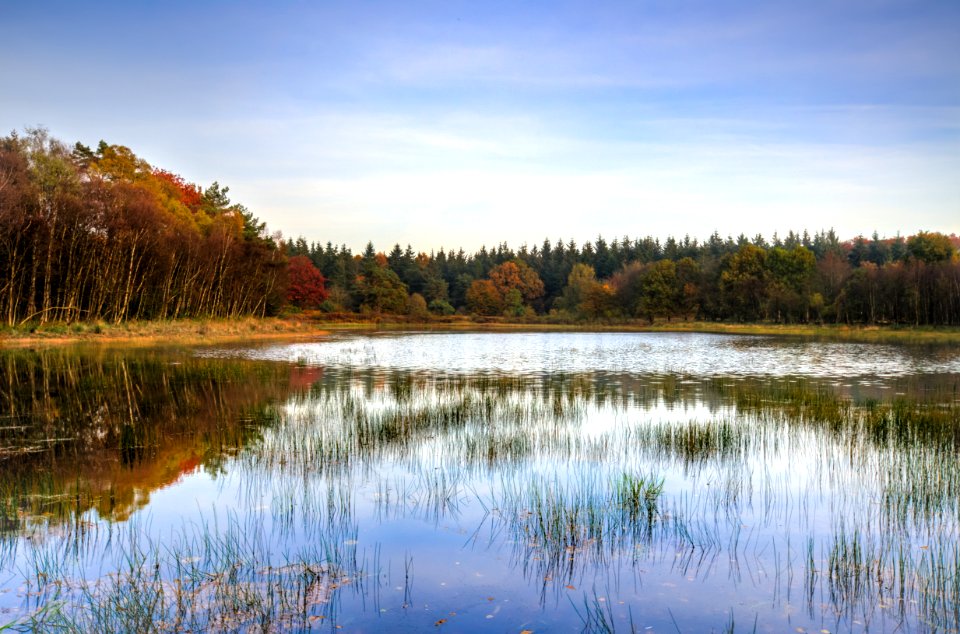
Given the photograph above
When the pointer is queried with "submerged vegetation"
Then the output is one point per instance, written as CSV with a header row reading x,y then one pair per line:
x,y
340,495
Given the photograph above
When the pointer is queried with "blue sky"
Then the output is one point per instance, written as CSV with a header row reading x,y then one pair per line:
x,y
457,124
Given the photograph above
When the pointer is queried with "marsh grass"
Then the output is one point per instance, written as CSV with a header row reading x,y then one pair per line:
x,y
790,489
204,577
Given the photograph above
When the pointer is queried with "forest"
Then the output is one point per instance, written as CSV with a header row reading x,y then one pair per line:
x,y
100,234
797,279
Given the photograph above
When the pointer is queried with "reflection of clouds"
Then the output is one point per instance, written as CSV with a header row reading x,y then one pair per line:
x,y
699,355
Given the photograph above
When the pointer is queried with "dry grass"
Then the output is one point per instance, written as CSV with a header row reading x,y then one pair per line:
x,y
184,331
315,324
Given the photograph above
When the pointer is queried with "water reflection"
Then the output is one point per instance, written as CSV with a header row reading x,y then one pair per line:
x,y
102,429
693,354
248,494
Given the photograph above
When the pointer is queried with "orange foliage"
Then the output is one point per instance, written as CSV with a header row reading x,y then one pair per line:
x,y
484,298
187,193
517,275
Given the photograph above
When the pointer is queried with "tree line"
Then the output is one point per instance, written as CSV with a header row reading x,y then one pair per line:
x,y
99,234
798,278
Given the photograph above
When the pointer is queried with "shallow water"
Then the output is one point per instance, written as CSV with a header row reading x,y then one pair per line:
x,y
467,482
694,354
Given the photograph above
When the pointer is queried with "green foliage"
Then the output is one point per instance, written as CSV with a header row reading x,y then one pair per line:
x,y
100,234
441,307
417,306
584,295
743,282
513,303
930,247
799,279
380,290
790,279
660,292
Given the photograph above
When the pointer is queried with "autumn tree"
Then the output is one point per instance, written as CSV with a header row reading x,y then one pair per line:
x,y
930,247
306,286
417,306
688,282
627,284
16,228
101,234
483,298
517,274
599,301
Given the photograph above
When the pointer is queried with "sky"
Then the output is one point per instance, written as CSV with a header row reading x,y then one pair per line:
x,y
448,124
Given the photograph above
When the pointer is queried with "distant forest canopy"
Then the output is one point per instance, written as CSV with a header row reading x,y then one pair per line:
x,y
798,278
99,234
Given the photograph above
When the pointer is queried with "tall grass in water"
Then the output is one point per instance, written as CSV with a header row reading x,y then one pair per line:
x,y
884,470
203,578
581,475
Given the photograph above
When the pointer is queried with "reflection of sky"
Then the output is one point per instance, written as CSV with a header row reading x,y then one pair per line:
x,y
794,482
697,355
447,124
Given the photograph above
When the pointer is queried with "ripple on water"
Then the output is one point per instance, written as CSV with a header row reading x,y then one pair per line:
x,y
640,353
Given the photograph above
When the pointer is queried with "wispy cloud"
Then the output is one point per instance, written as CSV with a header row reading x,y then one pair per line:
x,y
469,123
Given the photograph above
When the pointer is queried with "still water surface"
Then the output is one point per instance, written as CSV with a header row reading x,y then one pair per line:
x,y
695,354
484,482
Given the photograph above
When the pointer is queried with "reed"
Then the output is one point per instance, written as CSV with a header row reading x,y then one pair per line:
x,y
792,489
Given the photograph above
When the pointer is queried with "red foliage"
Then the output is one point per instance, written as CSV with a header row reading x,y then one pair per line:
x,y
303,378
188,193
306,287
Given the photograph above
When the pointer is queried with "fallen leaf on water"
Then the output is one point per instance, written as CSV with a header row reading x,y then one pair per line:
x,y
570,587
489,598
440,622
526,631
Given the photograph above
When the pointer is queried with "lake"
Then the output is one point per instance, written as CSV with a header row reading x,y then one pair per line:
x,y
460,482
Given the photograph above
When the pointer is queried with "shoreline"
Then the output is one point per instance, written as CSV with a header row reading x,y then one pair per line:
x,y
200,331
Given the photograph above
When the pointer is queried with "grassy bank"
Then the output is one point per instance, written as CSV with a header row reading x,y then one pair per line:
x,y
192,331
183,331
